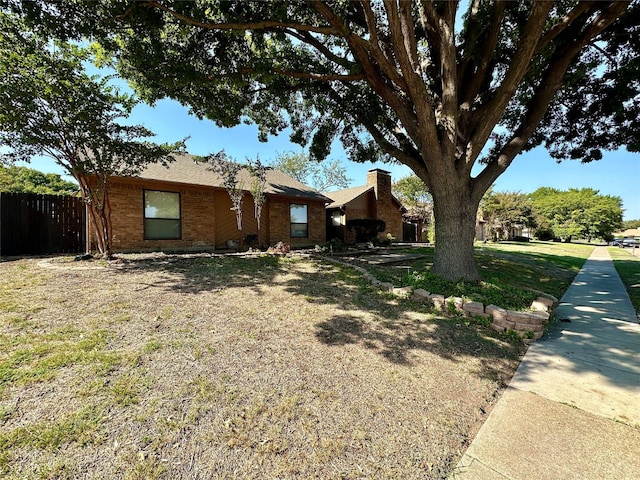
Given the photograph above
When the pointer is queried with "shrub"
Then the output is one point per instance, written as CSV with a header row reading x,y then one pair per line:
x,y
366,229
545,234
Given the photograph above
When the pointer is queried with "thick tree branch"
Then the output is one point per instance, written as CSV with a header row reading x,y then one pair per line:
x,y
405,48
323,77
371,21
549,85
490,114
263,25
449,80
565,22
413,162
381,75
475,75
310,40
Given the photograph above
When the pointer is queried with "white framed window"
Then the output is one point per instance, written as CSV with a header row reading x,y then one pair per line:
x,y
299,221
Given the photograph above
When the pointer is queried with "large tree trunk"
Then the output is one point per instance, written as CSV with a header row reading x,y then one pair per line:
x,y
455,218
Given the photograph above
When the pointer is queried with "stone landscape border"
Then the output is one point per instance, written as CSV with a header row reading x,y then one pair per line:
x,y
529,326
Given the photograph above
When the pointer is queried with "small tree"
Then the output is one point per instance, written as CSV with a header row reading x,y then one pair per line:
x,y
49,106
507,210
322,176
258,172
228,170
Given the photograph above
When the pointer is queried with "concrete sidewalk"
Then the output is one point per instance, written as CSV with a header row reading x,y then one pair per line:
x,y
572,410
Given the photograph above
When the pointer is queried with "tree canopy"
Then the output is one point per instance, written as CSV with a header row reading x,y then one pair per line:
x,y
323,176
393,80
16,179
49,106
504,211
631,224
582,213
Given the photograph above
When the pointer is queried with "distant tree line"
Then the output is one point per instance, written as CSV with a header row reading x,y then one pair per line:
x,y
552,214
546,214
14,179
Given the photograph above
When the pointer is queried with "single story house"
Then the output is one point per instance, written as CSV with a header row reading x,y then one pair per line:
x,y
184,207
373,200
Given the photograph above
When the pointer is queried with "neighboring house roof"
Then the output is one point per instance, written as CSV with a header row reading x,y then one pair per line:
x,y
630,232
341,197
186,170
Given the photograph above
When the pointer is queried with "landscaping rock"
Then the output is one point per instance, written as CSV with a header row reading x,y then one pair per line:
x,y
528,327
420,295
544,303
537,305
496,312
386,286
437,300
471,309
457,302
402,292
502,324
517,317
538,317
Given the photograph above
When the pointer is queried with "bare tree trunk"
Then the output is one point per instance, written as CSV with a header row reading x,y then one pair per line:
x,y
455,233
96,197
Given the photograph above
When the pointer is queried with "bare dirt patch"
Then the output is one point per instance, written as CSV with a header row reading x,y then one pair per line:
x,y
222,367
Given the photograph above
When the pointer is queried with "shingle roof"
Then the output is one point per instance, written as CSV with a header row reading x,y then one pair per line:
x,y
186,170
341,197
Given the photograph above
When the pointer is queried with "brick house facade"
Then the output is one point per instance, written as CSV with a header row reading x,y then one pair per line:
x,y
183,207
373,200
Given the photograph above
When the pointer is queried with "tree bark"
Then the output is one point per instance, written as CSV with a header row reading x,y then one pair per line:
x,y
455,214
99,211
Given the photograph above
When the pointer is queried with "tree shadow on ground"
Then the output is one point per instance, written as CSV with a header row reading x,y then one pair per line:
x,y
398,328
205,272
394,328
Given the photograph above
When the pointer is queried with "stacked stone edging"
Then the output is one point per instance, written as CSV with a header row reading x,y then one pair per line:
x,y
528,325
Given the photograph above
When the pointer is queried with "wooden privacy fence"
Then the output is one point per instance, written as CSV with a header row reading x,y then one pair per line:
x,y
32,224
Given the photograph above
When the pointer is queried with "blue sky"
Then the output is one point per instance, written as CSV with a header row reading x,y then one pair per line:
x,y
618,173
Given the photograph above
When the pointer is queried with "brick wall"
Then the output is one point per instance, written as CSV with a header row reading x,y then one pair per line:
x,y
127,217
280,222
207,220
386,208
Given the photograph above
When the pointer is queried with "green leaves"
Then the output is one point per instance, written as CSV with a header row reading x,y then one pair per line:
x,y
578,212
50,106
323,176
23,179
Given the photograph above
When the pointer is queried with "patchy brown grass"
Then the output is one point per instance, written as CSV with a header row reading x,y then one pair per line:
x,y
223,367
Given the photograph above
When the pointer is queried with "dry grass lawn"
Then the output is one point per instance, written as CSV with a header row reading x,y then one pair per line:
x,y
199,367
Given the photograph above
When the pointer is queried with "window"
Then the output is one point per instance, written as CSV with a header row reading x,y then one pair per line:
x,y
336,218
161,215
299,224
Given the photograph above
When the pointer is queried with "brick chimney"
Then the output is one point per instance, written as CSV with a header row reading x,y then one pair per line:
x,y
381,182
386,208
